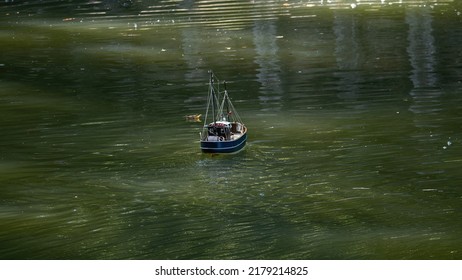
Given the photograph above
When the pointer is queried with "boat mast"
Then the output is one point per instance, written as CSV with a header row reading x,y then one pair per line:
x,y
227,101
212,96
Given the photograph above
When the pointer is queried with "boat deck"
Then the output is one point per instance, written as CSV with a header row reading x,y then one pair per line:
x,y
235,135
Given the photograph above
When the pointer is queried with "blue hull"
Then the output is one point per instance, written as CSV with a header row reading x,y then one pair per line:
x,y
224,147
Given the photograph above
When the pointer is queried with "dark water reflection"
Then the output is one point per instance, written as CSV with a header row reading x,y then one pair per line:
x,y
353,111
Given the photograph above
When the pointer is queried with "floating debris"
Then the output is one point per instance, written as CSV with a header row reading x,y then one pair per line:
x,y
193,118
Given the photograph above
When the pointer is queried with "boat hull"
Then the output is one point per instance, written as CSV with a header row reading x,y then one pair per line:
x,y
224,147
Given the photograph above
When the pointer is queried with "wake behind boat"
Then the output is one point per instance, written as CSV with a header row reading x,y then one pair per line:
x,y
223,130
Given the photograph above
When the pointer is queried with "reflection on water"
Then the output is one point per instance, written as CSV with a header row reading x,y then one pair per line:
x,y
347,50
421,49
426,93
353,109
267,51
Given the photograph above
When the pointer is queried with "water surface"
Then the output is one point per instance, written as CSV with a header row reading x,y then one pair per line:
x,y
354,117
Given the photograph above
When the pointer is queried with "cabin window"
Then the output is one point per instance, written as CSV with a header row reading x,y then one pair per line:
x,y
220,131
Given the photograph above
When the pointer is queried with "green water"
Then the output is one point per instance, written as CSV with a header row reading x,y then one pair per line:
x,y
354,115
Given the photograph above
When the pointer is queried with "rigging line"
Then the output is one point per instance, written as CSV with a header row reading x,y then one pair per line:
x,y
207,111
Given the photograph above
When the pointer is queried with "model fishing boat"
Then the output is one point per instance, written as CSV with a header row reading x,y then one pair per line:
x,y
223,130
